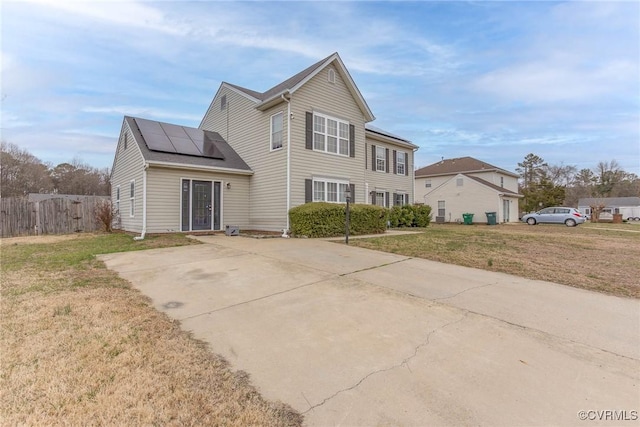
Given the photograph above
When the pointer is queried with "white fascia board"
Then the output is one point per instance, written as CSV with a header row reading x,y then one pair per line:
x,y
170,165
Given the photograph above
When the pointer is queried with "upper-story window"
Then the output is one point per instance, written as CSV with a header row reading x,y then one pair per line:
x,y
223,102
276,131
330,134
401,163
459,182
126,140
502,181
381,159
427,183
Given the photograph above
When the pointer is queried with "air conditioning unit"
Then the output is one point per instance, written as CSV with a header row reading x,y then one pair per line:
x,y
439,220
232,230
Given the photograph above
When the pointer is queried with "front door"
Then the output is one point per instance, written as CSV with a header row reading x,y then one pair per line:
x,y
201,205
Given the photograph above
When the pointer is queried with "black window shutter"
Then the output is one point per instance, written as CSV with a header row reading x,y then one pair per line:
x,y
366,157
386,195
395,162
406,198
308,190
386,160
353,192
406,164
373,157
309,131
373,197
352,141
395,197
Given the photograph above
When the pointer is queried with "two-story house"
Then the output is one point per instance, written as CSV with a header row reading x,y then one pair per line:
x,y
453,187
256,154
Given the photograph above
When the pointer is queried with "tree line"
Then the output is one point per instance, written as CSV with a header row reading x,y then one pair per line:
x,y
552,185
22,173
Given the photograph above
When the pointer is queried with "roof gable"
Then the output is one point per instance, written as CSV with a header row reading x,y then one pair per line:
x,y
272,96
459,165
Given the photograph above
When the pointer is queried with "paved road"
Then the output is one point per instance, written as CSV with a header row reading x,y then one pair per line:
x,y
350,336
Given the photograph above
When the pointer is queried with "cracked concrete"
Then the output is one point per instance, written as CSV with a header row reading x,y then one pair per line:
x,y
349,336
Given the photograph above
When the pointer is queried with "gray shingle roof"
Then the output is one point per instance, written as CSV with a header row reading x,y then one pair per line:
x,y
281,87
229,159
610,201
459,165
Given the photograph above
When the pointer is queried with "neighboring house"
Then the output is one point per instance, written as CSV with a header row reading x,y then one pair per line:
x,y
453,187
306,139
629,207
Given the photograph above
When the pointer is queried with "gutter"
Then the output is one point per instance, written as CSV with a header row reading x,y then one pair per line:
x,y
288,101
144,202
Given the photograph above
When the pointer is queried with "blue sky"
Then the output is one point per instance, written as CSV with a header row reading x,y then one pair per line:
x,y
492,80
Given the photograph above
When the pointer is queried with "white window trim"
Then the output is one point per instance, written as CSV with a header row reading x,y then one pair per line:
x,y
400,154
383,150
326,135
331,75
281,114
381,195
405,198
132,198
340,194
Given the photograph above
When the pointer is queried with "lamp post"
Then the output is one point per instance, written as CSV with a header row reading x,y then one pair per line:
x,y
347,195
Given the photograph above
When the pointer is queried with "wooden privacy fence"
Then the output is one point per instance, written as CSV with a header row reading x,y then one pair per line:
x,y
61,215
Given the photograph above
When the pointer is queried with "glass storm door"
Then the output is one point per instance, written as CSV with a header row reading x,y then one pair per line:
x,y
201,205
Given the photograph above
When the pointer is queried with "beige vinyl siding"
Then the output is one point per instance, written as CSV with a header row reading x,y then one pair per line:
x,y
389,182
332,99
510,182
248,131
128,165
164,197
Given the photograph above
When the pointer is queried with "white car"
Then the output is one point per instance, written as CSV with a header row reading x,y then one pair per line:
x,y
555,215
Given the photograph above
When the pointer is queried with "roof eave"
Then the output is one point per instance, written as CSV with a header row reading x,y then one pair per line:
x,y
353,89
172,165
385,138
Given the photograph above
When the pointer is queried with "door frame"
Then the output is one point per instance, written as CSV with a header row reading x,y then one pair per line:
x,y
215,206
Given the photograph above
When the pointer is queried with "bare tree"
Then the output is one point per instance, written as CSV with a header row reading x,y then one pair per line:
x,y
21,172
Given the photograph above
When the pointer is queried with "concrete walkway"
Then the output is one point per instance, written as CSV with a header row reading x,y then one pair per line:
x,y
350,336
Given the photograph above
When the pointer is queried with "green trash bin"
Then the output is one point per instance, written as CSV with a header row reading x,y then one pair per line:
x,y
468,218
491,218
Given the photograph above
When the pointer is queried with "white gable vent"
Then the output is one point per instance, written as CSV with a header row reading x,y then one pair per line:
x,y
332,75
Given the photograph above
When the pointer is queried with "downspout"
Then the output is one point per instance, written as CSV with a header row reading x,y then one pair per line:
x,y
144,202
413,173
288,101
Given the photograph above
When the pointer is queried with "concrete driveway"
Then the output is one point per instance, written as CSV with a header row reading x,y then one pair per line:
x,y
349,336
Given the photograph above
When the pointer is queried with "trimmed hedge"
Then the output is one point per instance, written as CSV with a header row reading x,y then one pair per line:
x,y
410,216
320,219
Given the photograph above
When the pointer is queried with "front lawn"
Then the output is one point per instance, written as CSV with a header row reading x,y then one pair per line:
x,y
80,346
599,257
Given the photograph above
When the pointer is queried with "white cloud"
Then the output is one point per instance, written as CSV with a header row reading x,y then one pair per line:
x,y
146,112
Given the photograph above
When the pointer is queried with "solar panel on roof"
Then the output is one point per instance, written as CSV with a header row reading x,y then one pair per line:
x,y
176,139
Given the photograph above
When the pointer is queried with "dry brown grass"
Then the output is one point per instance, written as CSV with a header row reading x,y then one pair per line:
x,y
81,347
599,257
